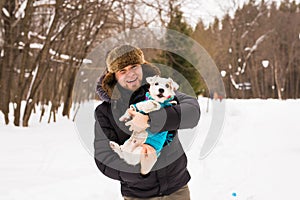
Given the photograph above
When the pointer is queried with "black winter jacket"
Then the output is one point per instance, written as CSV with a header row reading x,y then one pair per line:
x,y
170,171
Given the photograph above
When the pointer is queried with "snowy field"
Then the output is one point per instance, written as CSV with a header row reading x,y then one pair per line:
x,y
256,158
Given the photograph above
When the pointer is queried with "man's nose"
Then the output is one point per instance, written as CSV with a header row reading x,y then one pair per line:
x,y
130,72
160,90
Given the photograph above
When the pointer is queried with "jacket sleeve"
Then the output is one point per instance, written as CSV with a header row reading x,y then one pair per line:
x,y
184,115
107,161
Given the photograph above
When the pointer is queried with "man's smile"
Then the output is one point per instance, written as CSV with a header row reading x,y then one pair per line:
x,y
131,81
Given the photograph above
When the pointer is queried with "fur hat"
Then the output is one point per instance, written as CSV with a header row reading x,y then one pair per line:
x,y
117,59
122,56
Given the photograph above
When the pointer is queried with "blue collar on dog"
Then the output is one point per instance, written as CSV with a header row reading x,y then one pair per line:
x,y
163,104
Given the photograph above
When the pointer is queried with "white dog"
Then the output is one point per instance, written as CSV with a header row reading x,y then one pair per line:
x,y
161,94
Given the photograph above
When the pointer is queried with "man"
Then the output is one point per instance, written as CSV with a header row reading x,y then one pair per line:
x,y
122,84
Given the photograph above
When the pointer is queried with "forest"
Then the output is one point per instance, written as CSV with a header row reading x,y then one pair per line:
x,y
43,44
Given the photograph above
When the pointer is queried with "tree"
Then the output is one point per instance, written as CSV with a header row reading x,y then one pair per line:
x,y
175,61
259,58
44,42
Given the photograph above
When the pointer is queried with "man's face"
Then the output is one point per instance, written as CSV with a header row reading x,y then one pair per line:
x,y
130,77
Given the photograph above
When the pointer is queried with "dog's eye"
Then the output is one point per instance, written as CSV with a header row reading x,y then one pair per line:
x,y
167,85
156,84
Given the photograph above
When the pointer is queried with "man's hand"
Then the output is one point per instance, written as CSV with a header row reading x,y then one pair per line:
x,y
139,121
148,158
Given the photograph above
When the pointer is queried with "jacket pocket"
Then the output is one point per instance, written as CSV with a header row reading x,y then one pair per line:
x,y
139,181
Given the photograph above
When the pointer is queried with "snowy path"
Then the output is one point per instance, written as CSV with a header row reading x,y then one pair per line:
x,y
257,157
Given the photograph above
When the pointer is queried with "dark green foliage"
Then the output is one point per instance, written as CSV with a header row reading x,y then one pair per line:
x,y
181,70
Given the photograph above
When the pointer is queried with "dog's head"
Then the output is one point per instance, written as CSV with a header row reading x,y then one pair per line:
x,y
161,89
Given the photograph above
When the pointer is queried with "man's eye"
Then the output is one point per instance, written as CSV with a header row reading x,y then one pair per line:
x,y
167,85
156,84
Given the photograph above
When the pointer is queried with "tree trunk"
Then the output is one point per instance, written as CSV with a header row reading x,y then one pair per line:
x,y
7,63
17,114
22,83
41,65
254,79
277,81
68,100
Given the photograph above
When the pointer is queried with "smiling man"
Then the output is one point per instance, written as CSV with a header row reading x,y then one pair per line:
x,y
130,77
122,84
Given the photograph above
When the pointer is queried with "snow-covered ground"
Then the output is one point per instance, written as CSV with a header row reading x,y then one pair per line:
x,y
256,158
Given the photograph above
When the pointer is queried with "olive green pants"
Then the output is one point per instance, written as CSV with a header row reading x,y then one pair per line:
x,y
181,194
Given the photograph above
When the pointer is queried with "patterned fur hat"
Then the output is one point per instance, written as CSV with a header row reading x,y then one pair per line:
x,y
117,59
122,56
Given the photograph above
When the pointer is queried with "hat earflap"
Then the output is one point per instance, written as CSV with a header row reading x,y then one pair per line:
x,y
109,86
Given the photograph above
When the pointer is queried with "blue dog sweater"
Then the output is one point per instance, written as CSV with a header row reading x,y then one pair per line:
x,y
157,140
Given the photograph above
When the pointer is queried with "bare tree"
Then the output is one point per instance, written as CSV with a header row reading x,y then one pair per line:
x,y
44,42
259,58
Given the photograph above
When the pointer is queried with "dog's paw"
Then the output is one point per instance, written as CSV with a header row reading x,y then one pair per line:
x,y
125,117
116,148
148,106
114,145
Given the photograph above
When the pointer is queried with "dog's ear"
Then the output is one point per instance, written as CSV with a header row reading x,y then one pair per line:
x,y
151,80
173,84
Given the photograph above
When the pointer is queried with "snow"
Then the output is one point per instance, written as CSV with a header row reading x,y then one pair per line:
x,y
44,2
36,46
30,33
236,86
20,13
265,63
223,73
256,158
5,11
87,61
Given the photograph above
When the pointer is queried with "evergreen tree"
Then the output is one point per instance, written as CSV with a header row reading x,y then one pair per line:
x,y
181,70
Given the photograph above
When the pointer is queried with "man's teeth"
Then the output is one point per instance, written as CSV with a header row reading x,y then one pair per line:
x,y
131,81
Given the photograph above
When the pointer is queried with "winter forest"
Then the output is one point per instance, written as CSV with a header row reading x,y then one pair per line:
x,y
44,42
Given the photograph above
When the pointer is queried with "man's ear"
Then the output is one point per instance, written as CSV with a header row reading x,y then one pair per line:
x,y
173,84
152,79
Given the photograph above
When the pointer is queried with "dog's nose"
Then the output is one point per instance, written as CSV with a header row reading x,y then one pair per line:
x,y
161,90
